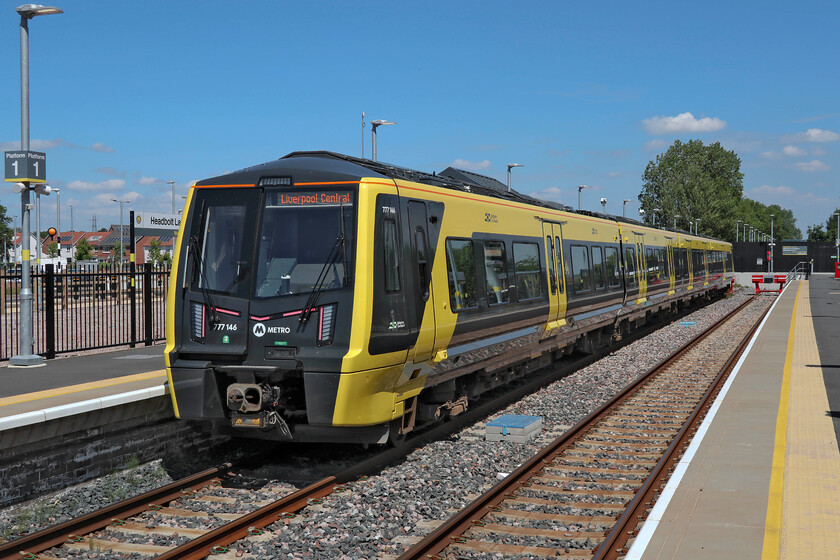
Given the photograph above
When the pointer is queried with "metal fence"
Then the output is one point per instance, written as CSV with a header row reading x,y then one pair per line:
x,y
86,308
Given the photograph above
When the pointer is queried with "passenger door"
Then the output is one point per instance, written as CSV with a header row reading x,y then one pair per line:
x,y
553,240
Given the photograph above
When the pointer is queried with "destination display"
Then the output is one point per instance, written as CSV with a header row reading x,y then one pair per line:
x,y
310,198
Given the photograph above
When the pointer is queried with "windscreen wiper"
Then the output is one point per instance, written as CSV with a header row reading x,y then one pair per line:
x,y
322,277
198,262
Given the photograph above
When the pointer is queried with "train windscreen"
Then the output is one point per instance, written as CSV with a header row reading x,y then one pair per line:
x,y
221,243
305,242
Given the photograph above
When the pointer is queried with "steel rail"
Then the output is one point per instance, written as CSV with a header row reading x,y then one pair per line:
x,y
440,538
613,545
57,534
250,524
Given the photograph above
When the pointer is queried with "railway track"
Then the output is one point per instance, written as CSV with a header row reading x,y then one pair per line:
x,y
195,517
586,494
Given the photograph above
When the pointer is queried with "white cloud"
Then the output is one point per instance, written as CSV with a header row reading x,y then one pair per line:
x,y
816,135
771,155
781,190
794,151
148,181
810,166
471,165
100,147
684,122
551,193
614,174
819,152
654,145
107,185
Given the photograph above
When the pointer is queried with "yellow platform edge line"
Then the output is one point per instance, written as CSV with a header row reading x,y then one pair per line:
x,y
773,522
29,397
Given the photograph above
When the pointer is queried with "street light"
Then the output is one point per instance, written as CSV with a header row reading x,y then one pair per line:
x,y
173,194
655,210
27,356
580,188
772,244
697,226
122,231
374,125
509,166
675,220
624,207
58,224
737,229
603,205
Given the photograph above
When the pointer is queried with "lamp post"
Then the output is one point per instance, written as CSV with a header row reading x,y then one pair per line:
x,y
580,188
603,205
374,125
624,207
737,229
71,218
772,244
173,194
122,232
675,220
27,356
655,210
697,226
58,222
510,166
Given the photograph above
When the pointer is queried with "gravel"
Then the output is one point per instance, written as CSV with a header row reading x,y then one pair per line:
x,y
381,516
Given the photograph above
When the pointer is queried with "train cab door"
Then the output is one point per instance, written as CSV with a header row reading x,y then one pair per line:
x,y
422,237
553,239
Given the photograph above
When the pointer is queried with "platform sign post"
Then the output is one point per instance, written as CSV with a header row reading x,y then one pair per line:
x,y
24,166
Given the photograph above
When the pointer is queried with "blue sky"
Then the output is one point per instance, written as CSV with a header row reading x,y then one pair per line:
x,y
126,96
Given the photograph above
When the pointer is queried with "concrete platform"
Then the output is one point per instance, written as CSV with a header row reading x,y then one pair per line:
x,y
76,384
762,479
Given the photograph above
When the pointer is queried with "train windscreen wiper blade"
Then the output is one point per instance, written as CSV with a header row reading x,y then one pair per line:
x,y
198,262
322,277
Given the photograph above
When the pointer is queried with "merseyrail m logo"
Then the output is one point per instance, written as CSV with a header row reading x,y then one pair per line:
x,y
260,329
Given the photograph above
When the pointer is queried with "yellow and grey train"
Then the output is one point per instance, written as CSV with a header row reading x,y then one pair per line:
x,y
322,297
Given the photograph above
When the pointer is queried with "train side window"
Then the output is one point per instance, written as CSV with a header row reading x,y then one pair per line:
x,y
558,247
580,269
613,273
495,272
422,264
461,268
652,265
630,265
526,258
392,262
552,278
598,268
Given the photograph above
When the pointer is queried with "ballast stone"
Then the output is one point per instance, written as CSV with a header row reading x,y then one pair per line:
x,y
514,427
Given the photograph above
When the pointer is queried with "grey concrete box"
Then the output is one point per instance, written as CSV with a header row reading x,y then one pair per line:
x,y
513,427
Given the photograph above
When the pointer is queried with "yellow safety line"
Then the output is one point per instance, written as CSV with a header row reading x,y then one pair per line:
x,y
28,397
773,523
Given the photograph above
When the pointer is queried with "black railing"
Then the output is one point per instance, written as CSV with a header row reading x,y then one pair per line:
x,y
86,308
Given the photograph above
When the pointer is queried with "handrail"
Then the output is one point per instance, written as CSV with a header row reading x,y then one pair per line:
x,y
799,271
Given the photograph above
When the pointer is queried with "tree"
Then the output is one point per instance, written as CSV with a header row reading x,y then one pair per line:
x,y
155,255
83,250
758,215
7,236
692,180
52,249
817,233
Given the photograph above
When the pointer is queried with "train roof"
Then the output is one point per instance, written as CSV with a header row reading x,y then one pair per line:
x,y
322,165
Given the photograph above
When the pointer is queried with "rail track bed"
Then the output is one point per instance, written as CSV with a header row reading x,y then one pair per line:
x,y
566,507
585,495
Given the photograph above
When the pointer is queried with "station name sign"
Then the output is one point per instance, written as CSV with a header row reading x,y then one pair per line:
x,y
312,198
154,220
25,167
